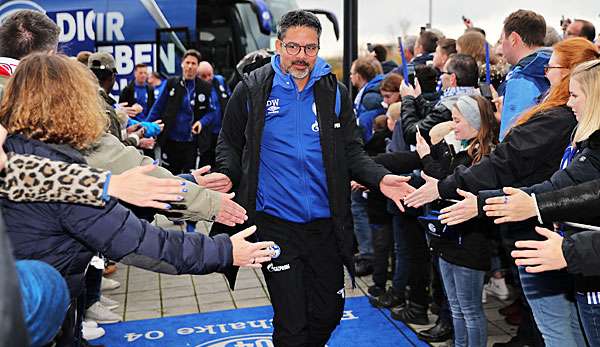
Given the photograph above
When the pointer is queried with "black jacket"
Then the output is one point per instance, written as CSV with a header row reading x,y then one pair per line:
x,y
529,154
128,95
578,204
584,167
238,149
376,201
176,88
582,253
420,112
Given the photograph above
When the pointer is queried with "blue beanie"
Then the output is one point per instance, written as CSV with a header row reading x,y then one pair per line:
x,y
45,300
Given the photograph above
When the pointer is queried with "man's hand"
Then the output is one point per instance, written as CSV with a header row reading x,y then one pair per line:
x,y
213,181
196,128
247,253
395,188
230,212
515,206
425,194
147,143
134,186
461,211
131,111
134,128
540,256
160,124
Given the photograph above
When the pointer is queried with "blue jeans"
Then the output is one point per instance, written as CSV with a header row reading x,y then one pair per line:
x,y
362,229
464,287
590,318
401,269
555,315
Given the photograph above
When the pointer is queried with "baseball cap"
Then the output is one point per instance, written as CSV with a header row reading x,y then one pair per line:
x,y
102,61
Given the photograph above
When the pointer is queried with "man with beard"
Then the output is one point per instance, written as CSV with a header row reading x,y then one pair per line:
x,y
289,147
180,105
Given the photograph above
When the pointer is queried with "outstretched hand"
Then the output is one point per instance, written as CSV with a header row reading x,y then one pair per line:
x,y
425,194
396,188
250,254
461,211
540,256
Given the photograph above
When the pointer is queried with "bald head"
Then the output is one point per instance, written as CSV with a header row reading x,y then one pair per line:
x,y
206,71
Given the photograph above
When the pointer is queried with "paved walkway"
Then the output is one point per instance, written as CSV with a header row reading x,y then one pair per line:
x,y
144,294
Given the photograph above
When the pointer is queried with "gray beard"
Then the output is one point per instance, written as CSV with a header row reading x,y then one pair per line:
x,y
298,74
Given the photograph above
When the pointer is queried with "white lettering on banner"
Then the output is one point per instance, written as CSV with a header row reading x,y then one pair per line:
x,y
143,53
123,59
100,26
250,340
68,31
114,26
168,58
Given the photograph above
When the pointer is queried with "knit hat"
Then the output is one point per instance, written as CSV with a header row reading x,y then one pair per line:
x,y
469,108
45,300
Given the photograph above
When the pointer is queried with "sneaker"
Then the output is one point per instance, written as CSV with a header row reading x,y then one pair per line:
x,y
90,324
108,303
108,284
90,333
101,314
497,287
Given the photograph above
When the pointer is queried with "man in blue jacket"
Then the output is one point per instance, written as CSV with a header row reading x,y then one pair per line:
x,y
522,37
289,147
180,105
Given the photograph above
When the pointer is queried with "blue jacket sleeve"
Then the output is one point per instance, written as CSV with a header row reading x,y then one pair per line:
x,y
117,233
152,129
520,94
208,118
159,105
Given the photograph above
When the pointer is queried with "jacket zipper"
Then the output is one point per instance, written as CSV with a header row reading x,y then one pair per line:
x,y
301,153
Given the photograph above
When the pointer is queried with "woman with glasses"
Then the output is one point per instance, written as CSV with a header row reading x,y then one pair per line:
x,y
529,154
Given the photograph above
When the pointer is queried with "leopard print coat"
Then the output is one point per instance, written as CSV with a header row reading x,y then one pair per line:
x,y
29,178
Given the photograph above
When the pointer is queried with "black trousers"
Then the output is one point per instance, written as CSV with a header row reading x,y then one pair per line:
x,y
306,281
419,259
208,153
383,244
179,157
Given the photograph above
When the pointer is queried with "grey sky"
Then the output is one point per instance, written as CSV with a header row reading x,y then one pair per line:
x,y
380,21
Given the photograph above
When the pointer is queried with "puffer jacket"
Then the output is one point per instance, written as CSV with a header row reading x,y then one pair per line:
x,y
66,236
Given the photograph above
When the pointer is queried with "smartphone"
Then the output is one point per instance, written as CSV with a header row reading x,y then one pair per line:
x,y
486,92
411,74
369,47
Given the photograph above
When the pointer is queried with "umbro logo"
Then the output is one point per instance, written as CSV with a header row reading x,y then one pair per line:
x,y
273,106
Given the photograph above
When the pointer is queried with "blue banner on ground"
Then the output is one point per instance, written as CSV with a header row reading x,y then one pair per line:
x,y
362,325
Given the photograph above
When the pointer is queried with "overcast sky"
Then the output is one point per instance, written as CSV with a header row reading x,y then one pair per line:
x,y
381,21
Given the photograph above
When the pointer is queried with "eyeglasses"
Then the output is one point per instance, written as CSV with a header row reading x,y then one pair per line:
x,y
446,72
548,67
293,48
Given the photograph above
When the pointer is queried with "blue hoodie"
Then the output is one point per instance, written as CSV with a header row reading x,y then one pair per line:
x,y
291,178
368,106
525,84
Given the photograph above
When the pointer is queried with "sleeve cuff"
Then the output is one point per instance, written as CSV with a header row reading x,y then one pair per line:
x,y
537,209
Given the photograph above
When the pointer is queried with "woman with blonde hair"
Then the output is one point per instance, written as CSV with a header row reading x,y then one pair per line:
x,y
51,109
